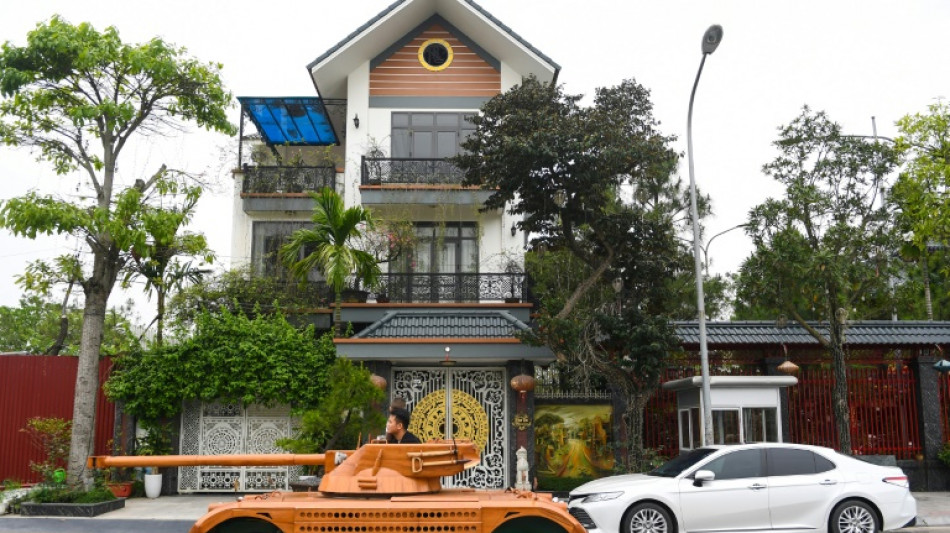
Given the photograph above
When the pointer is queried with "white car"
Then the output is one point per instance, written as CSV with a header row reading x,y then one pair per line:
x,y
749,488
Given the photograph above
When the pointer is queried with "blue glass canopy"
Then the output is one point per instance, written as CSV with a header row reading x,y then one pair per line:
x,y
297,121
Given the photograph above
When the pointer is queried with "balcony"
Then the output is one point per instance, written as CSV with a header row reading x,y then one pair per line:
x,y
284,188
388,180
471,287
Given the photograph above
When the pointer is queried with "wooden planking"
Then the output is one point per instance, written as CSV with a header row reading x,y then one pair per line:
x,y
402,75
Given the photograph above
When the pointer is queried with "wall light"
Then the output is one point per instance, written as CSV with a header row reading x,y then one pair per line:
x,y
356,121
514,229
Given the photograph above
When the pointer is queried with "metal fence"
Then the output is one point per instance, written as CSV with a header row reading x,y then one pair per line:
x,y
415,171
42,386
453,287
287,179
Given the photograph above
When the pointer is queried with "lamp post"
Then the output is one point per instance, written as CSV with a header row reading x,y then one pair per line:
x,y
711,40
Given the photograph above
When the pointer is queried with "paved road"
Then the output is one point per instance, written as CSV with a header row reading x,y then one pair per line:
x,y
94,525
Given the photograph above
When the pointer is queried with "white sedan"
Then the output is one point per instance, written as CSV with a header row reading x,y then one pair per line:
x,y
749,488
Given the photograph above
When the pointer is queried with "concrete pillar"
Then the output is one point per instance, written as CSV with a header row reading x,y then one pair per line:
x,y
771,369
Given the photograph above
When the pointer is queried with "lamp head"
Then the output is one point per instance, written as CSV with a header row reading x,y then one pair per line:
x,y
712,38
942,366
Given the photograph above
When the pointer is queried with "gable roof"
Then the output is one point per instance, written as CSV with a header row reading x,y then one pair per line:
x,y
329,71
863,333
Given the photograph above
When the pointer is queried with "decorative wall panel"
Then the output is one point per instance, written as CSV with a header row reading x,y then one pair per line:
x,y
220,428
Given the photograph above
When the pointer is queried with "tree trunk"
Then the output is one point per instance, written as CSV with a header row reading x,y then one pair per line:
x,y
97,290
161,316
338,315
928,300
633,416
839,393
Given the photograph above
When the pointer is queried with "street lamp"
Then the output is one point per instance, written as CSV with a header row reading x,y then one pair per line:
x,y
711,40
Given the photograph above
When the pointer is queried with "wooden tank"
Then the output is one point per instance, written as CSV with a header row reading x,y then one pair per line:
x,y
379,488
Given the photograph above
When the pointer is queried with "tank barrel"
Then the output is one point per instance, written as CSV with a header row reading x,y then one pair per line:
x,y
280,459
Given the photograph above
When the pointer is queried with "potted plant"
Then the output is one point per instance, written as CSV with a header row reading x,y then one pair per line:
x,y
155,441
118,482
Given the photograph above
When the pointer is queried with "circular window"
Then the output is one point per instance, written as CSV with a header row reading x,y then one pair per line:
x,y
435,54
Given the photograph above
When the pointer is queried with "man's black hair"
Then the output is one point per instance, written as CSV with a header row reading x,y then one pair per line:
x,y
401,415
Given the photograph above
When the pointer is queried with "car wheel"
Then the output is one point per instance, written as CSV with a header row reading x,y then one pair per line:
x,y
647,518
854,517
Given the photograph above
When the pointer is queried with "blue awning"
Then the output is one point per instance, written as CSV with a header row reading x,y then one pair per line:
x,y
297,121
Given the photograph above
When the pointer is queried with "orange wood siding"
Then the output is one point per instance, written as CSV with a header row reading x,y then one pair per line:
x,y
403,75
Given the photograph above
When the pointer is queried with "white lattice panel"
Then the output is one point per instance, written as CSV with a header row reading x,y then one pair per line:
x,y
479,395
219,428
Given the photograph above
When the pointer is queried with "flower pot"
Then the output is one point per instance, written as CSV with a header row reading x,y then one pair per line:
x,y
153,485
121,489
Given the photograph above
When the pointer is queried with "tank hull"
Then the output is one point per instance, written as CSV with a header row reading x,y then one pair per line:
x,y
464,511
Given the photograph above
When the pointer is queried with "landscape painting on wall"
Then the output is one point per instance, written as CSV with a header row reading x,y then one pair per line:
x,y
572,444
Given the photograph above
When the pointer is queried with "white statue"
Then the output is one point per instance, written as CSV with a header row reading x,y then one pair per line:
x,y
521,476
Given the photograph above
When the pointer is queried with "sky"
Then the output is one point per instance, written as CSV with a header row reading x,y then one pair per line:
x,y
854,59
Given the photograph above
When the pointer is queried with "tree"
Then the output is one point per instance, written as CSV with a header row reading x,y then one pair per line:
x,y
351,410
35,326
156,259
821,251
78,97
921,190
332,247
595,183
264,360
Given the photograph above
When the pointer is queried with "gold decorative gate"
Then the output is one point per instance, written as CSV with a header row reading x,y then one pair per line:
x,y
462,403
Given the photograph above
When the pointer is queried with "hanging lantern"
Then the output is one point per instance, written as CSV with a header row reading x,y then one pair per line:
x,y
378,381
788,367
523,383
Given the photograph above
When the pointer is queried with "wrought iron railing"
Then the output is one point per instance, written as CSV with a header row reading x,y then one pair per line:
x,y
284,180
392,171
454,287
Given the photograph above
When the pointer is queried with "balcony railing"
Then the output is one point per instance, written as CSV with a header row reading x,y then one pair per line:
x,y
472,287
455,287
284,180
406,171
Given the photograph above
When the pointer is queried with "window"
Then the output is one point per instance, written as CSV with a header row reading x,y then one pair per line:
x,y
760,424
736,465
690,431
429,135
795,462
685,430
447,249
268,237
436,54
725,426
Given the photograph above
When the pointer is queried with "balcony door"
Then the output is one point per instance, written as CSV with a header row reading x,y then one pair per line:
x,y
442,267
429,135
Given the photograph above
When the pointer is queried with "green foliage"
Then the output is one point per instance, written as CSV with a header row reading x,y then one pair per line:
x,y
51,436
825,245
62,494
944,454
238,291
334,244
351,408
264,360
157,439
34,325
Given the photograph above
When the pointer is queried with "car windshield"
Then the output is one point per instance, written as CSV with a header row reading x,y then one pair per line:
x,y
677,465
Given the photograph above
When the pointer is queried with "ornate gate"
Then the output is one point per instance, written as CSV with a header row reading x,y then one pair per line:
x,y
464,403
228,428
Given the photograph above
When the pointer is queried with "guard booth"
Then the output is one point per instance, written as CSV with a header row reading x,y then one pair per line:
x,y
744,409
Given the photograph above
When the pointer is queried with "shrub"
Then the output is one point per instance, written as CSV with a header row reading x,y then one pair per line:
x,y
944,454
52,437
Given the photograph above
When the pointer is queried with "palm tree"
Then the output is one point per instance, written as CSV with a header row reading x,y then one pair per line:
x,y
332,240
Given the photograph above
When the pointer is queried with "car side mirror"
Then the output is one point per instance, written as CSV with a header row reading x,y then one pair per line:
x,y
702,476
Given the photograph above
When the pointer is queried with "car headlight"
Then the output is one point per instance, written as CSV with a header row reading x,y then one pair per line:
x,y
601,497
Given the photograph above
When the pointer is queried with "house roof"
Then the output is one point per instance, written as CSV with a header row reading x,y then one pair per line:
x,y
461,324
867,333
464,335
290,121
330,70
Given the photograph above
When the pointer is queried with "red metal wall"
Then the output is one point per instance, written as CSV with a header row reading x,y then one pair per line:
x,y
41,386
